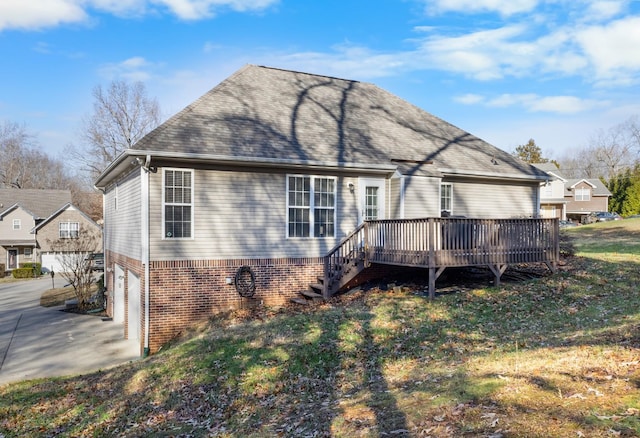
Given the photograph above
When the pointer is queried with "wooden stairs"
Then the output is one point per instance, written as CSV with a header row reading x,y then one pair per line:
x,y
341,265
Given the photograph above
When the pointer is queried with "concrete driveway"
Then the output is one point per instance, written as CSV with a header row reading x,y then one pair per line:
x,y
44,342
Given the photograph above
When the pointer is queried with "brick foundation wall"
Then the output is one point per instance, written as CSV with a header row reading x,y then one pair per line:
x,y
185,291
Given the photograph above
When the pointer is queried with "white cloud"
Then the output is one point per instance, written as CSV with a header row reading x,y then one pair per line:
x,y
132,69
502,7
548,104
39,14
199,9
30,15
604,10
469,99
346,61
483,55
614,49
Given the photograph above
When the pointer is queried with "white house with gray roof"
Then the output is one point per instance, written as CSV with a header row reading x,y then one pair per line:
x,y
270,170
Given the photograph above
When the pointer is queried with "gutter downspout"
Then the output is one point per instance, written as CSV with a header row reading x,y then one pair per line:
x,y
145,247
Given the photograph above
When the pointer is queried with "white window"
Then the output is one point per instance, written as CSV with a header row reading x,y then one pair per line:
x,y
311,206
178,203
446,193
16,224
27,253
69,230
583,194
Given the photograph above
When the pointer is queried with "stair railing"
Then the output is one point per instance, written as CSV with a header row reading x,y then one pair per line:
x,y
344,257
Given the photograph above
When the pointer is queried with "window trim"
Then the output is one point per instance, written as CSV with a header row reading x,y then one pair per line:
x,y
311,206
68,230
191,204
450,185
17,224
582,191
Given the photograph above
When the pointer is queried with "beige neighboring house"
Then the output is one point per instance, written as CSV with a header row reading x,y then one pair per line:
x,y
25,214
68,222
20,211
552,193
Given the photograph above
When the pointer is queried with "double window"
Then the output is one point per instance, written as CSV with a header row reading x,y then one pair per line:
x,y
311,206
178,203
69,230
583,194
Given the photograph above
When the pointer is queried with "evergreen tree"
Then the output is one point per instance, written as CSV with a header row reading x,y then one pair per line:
x,y
530,152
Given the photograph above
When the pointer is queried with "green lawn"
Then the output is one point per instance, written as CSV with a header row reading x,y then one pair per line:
x,y
557,356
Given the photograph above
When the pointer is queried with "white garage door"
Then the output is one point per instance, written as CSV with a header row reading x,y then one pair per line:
x,y
53,261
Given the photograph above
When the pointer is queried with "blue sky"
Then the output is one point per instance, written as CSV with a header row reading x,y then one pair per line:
x,y
556,71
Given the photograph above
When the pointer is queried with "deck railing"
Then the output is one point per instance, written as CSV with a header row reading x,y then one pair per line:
x,y
439,243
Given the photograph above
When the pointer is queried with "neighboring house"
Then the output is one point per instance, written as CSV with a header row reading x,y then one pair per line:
x,y
29,218
67,228
552,198
270,170
20,211
585,196
572,199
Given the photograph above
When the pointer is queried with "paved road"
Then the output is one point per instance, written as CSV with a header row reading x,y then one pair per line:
x,y
44,342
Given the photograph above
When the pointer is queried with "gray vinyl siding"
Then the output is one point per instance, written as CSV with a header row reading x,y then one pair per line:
x,y
243,215
494,199
395,197
123,224
422,197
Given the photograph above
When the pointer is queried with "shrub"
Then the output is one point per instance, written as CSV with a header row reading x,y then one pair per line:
x,y
32,266
22,273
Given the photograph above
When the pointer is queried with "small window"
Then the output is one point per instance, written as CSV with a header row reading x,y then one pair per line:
x,y
27,253
17,224
69,230
446,192
583,194
178,203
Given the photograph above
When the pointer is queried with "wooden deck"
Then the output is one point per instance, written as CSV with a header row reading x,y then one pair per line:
x,y
440,243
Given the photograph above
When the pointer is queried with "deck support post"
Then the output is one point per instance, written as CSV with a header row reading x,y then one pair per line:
x,y
434,274
498,270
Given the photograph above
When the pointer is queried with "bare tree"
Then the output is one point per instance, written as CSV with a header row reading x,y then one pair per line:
x,y
76,265
608,153
122,115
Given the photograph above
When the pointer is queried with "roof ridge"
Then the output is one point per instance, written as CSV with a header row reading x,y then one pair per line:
x,y
303,73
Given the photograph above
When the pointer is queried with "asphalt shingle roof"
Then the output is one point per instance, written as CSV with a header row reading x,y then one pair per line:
x,y
268,113
40,203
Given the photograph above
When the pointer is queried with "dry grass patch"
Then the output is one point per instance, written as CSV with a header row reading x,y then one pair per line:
x,y
56,297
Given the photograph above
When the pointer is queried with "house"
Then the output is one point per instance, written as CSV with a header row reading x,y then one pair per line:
x,y
246,190
29,218
67,233
20,211
585,196
572,199
552,193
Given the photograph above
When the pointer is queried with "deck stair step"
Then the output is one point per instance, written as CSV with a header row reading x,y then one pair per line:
x,y
310,294
316,286
300,300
